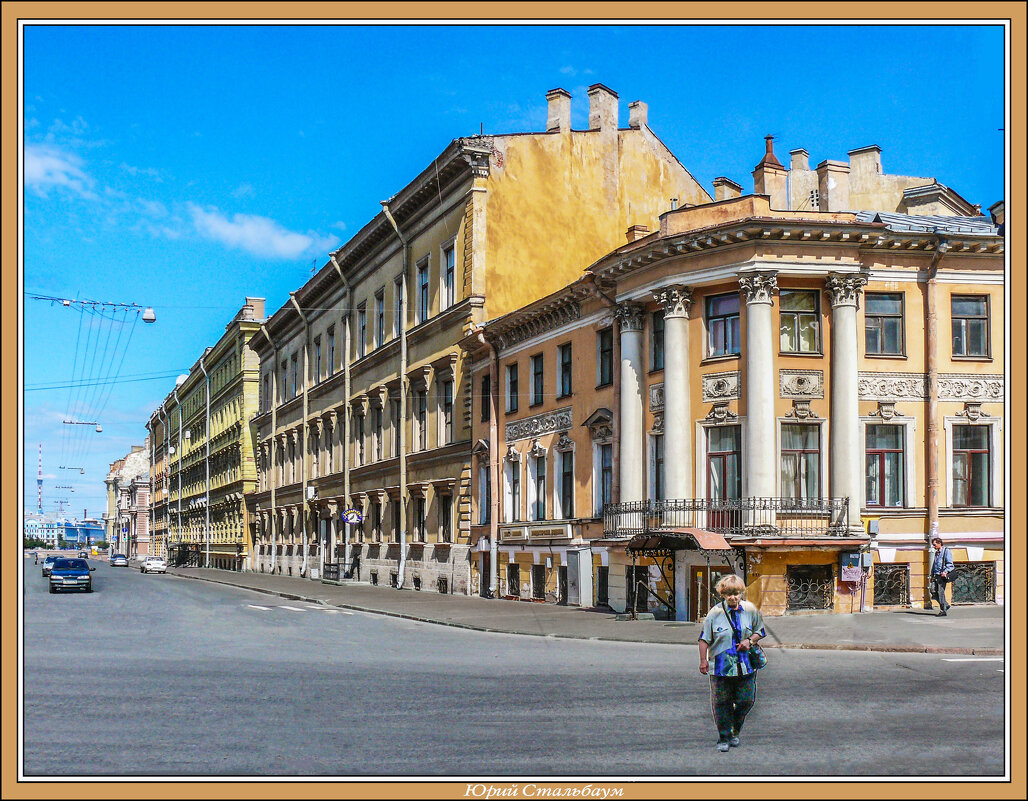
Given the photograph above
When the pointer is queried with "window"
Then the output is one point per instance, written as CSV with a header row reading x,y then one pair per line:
x,y
537,379
971,466
377,418
883,459
970,315
397,304
360,440
394,421
362,330
724,476
423,292
447,412
421,418
295,375
606,483
419,519
448,277
657,340
317,360
723,325
445,518
567,484
798,327
485,500
564,389
801,461
604,357
539,487
284,388
266,394
376,521
657,469
487,391
331,334
512,387
380,318
514,481
883,323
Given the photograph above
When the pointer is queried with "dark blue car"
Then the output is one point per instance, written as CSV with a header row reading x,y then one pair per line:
x,y
71,574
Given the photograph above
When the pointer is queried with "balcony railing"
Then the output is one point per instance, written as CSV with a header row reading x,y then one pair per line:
x,y
738,517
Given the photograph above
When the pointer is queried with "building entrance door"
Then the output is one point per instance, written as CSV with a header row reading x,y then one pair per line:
x,y
702,580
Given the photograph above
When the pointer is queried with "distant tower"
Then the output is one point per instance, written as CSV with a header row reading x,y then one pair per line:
x,y
39,482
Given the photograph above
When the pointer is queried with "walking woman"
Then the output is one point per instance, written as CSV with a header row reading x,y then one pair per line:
x,y
730,631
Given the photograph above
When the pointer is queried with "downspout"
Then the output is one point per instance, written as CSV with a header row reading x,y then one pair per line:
x,y
207,469
345,449
303,447
274,423
932,391
494,463
404,383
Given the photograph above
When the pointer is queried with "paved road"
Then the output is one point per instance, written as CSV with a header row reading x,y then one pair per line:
x,y
182,677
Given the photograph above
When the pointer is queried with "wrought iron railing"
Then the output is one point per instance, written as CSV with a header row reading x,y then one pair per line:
x,y
738,517
331,571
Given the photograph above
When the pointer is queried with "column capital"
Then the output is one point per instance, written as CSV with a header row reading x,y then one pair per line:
x,y
630,315
759,287
844,288
675,299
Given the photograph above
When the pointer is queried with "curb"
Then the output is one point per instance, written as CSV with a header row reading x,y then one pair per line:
x,y
866,647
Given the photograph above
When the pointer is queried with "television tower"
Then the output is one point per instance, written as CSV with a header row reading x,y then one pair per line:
x,y
39,482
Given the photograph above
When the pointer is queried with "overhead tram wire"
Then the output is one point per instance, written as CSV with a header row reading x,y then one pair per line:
x,y
65,433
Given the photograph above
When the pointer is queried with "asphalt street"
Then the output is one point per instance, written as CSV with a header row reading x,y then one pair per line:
x,y
155,675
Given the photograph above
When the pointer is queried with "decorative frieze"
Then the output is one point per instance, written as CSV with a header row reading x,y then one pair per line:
x,y
722,386
960,387
759,287
555,316
656,397
547,423
801,383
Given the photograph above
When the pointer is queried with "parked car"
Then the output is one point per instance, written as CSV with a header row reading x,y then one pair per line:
x,y
71,574
48,563
83,554
154,564
119,560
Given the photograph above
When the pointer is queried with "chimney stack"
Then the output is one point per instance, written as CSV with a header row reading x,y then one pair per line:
x,y
769,177
635,232
833,185
603,108
637,111
726,189
558,110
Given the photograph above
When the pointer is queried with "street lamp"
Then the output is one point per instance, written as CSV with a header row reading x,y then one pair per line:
x,y
82,470
99,428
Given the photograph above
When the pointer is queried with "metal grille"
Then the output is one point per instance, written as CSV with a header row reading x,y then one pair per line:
x,y
892,585
810,586
973,582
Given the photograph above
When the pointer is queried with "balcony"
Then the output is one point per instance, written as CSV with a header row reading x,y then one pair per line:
x,y
735,518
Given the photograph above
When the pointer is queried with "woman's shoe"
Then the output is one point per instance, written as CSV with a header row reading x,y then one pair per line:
x,y
734,742
722,745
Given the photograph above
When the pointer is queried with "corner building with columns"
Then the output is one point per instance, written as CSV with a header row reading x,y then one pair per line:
x,y
364,433
802,397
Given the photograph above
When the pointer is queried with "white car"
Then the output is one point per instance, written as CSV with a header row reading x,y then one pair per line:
x,y
154,564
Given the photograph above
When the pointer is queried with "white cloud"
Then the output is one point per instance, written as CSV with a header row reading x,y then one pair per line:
x,y
136,171
244,190
47,166
260,236
340,225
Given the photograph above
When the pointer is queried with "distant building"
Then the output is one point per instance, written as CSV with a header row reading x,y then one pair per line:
x,y
128,503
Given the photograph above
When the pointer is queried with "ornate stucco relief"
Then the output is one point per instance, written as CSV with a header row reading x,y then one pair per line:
x,y
656,397
964,387
801,384
912,387
722,386
547,423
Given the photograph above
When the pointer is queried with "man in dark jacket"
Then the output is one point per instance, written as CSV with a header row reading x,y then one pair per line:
x,y
942,566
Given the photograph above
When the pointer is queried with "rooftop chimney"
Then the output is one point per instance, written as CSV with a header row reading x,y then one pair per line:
x,y
726,189
635,232
603,108
833,185
637,114
800,159
769,177
558,110
253,309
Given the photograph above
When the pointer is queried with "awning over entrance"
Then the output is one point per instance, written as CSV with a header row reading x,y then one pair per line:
x,y
679,539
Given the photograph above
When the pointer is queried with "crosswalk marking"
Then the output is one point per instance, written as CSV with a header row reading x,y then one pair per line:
x,y
264,608
326,609
291,608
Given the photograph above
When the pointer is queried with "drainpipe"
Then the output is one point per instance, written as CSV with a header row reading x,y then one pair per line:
x,y
346,410
404,383
207,469
274,423
178,530
303,448
494,463
932,375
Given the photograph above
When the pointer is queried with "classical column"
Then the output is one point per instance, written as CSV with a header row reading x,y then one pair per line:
x,y
676,301
630,316
845,453
759,384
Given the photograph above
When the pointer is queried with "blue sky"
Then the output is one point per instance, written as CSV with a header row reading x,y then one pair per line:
x,y
185,168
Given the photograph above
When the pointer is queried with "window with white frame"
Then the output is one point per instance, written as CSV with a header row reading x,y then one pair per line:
x,y
419,520
395,423
564,377
657,340
883,324
537,486
359,440
512,495
512,387
723,325
331,334
317,360
362,330
446,409
445,518
801,460
296,373
422,292
484,491
537,379
604,475
971,466
380,318
970,321
657,467
799,327
421,418
884,465
449,277
397,304
566,484
376,416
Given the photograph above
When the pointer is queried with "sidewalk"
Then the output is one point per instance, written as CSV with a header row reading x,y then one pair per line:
x,y
972,630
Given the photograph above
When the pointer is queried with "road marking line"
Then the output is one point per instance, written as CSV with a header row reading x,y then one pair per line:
x,y
976,659
291,608
265,608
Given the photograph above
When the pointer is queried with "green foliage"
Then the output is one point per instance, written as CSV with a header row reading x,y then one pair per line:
x,y
33,542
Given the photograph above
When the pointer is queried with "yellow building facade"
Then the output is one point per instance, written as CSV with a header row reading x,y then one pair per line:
x,y
820,390
202,452
365,425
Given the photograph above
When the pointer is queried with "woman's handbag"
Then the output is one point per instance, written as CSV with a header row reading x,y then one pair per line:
x,y
757,657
